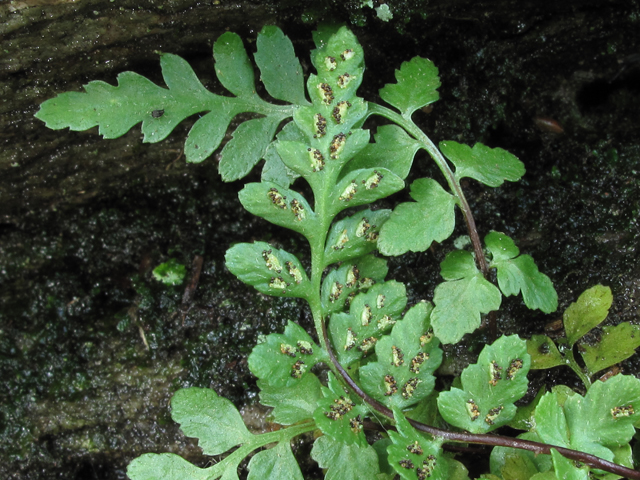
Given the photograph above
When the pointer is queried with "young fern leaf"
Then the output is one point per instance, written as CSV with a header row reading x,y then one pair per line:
x,y
615,343
462,298
402,374
213,420
591,308
115,110
219,427
284,359
371,314
417,84
414,226
519,273
489,387
491,166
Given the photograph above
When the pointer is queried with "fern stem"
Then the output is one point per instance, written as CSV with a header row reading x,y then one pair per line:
x,y
315,301
573,365
454,184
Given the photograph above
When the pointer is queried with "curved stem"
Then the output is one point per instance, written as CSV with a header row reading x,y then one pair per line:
x,y
482,439
454,185
573,365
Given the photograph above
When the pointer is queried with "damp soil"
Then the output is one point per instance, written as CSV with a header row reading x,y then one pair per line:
x,y
92,347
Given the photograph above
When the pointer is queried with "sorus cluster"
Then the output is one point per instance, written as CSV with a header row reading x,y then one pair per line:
x,y
341,406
